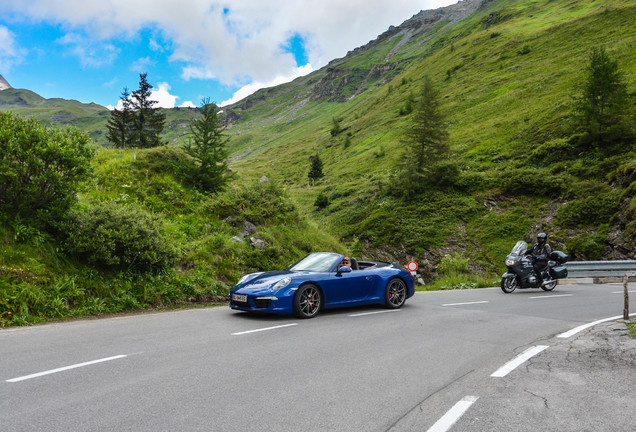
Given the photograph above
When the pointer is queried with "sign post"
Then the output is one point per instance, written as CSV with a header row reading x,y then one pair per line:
x,y
412,266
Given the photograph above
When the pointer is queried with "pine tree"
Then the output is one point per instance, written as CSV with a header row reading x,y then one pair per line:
x,y
207,147
149,121
603,109
315,171
425,143
121,123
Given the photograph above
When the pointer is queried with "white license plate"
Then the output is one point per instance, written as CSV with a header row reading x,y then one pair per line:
x,y
239,298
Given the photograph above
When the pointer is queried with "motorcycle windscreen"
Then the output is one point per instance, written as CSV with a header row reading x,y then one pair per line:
x,y
520,248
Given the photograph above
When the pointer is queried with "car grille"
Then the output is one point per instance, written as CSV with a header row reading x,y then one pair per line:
x,y
262,303
241,304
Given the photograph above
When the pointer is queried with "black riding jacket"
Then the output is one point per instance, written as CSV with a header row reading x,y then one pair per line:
x,y
541,252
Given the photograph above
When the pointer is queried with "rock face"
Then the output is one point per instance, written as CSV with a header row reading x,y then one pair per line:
x,y
4,84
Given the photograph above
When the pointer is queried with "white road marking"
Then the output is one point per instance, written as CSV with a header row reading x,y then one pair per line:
x,y
622,292
62,369
468,303
452,415
552,296
578,329
518,361
374,313
263,329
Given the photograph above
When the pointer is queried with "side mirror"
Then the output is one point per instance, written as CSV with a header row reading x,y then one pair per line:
x,y
344,269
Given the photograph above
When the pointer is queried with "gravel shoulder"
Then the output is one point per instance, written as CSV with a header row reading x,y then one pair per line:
x,y
584,383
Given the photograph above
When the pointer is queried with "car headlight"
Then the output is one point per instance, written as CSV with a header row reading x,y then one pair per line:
x,y
510,262
281,283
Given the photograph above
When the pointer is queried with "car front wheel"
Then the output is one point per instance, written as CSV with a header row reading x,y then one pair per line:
x,y
307,301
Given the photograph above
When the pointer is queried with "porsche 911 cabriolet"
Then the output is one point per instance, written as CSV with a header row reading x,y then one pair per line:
x,y
321,281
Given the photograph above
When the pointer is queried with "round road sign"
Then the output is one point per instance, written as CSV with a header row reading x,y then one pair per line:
x,y
412,266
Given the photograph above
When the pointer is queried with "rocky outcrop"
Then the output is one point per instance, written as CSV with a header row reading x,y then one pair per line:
x,y
4,84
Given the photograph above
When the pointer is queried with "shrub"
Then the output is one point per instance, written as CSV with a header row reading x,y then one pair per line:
x,y
591,210
587,246
527,181
260,203
117,236
40,168
322,201
453,265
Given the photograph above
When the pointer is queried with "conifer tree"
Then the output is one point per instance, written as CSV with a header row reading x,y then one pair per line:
x,y
315,171
603,109
120,125
207,147
425,143
149,121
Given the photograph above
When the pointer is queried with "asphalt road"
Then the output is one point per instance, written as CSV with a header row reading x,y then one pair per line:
x,y
427,366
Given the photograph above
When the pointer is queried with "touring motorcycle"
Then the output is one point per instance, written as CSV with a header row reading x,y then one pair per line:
x,y
521,273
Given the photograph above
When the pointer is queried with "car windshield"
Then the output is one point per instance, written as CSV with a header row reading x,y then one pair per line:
x,y
317,262
520,248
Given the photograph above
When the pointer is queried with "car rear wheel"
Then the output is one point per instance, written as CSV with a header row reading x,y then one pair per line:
x,y
307,301
395,294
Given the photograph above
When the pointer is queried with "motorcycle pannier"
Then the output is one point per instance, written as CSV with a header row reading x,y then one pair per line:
x,y
559,257
559,272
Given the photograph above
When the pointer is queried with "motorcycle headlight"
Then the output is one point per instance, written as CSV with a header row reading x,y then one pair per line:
x,y
510,262
281,284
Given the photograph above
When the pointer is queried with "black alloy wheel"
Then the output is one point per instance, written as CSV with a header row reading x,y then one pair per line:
x,y
395,294
307,301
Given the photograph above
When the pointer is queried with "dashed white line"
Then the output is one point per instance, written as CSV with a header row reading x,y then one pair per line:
x,y
467,303
552,296
518,361
374,313
452,415
622,292
263,329
65,368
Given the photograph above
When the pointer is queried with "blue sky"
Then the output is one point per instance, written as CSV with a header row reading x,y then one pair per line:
x,y
89,50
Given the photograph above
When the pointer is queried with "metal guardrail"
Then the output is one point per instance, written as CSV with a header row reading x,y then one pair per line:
x,y
593,269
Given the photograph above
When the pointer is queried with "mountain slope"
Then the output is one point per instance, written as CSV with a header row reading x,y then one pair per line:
x,y
508,73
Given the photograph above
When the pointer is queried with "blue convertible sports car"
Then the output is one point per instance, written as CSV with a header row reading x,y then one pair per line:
x,y
321,281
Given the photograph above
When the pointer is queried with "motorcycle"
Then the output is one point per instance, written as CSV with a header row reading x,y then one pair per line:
x,y
522,274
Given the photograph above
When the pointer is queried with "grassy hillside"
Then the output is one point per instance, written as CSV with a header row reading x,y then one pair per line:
x,y
508,75
90,118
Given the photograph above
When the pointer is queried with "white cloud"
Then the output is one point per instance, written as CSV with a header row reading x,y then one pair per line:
x,y
227,41
91,52
161,95
187,104
249,89
10,54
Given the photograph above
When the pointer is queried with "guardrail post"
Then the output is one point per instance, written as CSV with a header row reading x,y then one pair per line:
x,y
626,308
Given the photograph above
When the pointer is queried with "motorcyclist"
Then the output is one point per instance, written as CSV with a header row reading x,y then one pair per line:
x,y
541,253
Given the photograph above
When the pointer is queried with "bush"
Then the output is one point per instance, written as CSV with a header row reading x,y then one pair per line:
x,y
453,265
533,182
587,246
588,211
40,168
260,203
117,236
322,201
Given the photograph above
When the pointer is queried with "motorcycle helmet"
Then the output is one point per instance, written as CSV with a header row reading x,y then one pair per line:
x,y
542,238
